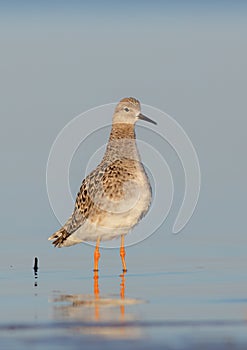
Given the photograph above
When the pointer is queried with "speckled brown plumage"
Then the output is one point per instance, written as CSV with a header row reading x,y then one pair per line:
x,y
104,195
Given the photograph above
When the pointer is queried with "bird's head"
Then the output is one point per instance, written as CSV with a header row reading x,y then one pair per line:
x,y
128,111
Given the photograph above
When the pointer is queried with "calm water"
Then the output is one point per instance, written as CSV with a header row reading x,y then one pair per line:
x,y
182,307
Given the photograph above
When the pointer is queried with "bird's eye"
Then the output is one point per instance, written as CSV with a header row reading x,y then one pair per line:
x,y
126,109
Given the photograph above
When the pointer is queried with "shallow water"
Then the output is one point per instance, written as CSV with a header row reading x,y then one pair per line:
x,y
180,308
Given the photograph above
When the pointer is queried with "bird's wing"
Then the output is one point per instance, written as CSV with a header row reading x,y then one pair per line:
x,y
82,209
95,189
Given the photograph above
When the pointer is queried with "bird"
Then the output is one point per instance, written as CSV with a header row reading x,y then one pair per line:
x,y
115,196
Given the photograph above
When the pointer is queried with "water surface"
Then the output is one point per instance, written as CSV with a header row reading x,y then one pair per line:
x,y
181,307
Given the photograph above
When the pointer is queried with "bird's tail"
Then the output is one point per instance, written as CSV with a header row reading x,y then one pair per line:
x,y
59,237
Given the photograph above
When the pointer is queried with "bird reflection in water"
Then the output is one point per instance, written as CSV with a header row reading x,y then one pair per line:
x,y
100,315
120,301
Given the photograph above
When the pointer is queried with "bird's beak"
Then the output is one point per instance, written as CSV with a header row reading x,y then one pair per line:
x,y
143,117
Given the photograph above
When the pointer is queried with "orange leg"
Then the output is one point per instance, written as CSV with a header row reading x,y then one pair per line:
x,y
96,256
122,254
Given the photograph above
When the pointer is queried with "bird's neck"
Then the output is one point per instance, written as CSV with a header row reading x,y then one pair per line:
x,y
122,131
122,142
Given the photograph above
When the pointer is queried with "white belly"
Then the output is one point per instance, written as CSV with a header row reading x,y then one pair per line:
x,y
117,217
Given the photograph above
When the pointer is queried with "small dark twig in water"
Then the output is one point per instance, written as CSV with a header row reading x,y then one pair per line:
x,y
35,267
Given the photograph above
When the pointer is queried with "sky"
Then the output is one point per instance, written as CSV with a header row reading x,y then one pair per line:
x,y
59,59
